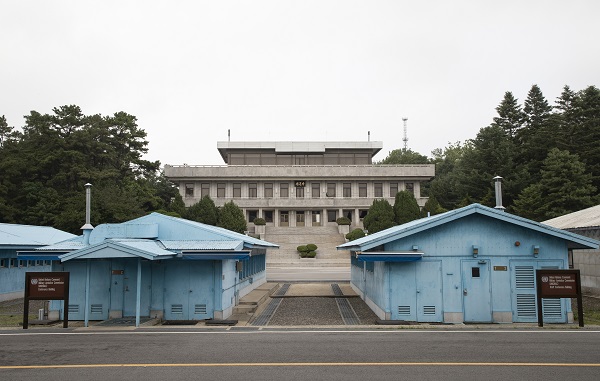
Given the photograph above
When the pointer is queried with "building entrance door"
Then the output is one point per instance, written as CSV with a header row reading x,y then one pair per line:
x,y
284,218
477,296
316,218
300,218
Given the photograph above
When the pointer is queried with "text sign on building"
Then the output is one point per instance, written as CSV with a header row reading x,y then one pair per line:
x,y
47,286
299,183
555,284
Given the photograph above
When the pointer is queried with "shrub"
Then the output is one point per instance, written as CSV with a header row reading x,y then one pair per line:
x,y
311,254
303,254
259,221
355,234
302,249
343,221
311,247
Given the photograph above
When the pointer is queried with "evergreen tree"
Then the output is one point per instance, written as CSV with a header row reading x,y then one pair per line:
x,y
379,217
232,218
177,206
432,207
564,187
204,211
406,208
444,186
533,137
510,115
586,134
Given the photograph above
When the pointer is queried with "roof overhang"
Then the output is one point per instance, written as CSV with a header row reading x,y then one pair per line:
x,y
390,256
37,256
214,255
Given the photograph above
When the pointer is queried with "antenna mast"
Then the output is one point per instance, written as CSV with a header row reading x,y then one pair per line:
x,y
405,139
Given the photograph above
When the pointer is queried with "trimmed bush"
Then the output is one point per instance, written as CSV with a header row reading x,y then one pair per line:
x,y
355,234
259,221
303,254
311,254
302,249
343,221
311,247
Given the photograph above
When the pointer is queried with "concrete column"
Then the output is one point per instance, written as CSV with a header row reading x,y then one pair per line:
x,y
276,217
356,220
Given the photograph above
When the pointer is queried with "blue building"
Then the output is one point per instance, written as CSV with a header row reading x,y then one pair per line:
x,y
23,237
156,266
474,264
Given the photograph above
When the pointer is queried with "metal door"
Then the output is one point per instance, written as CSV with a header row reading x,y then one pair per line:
x,y
99,290
77,279
130,288
416,291
189,290
429,291
477,294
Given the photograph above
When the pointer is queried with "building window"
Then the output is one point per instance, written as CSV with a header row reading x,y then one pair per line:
x,y
393,189
220,190
331,215
3,262
330,189
299,192
315,190
410,187
252,214
284,217
268,215
204,189
347,190
22,263
13,262
252,190
237,190
268,190
378,189
284,190
189,190
362,190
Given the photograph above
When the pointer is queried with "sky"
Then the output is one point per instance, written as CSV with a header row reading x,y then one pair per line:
x,y
292,70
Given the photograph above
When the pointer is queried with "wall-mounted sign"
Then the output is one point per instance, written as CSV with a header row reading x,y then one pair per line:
x,y
117,272
300,183
556,284
500,268
46,286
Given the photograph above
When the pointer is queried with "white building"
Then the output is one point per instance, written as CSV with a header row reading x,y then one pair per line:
x,y
299,183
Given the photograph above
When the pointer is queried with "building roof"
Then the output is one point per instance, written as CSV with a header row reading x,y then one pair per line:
x,y
27,236
155,236
298,147
585,218
574,241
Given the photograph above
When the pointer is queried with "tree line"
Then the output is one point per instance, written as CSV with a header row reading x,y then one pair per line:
x,y
548,156
45,165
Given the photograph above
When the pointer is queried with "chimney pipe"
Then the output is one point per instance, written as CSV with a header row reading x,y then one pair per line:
x,y
87,228
369,136
498,187
228,135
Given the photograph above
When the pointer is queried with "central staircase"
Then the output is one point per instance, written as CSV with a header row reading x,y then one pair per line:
x,y
289,238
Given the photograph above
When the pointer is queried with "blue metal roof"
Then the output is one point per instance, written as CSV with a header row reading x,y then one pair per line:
x,y
370,241
27,236
120,248
203,245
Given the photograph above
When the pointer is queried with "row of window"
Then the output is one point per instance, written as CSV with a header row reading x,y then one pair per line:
x,y
14,262
252,265
284,190
284,215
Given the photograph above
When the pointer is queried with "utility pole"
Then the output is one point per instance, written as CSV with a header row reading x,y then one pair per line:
x,y
405,139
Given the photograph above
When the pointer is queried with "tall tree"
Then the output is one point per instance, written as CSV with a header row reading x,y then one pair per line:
x,y
533,137
565,187
406,208
510,115
379,217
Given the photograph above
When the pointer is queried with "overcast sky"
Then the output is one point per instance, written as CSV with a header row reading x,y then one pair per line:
x,y
292,70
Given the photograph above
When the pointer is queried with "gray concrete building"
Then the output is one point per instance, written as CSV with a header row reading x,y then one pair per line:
x,y
294,184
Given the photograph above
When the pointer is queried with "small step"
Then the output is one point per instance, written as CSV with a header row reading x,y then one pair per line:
x,y
245,309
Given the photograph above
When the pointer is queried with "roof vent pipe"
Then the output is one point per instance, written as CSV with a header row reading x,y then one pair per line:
x,y
498,186
87,228
368,136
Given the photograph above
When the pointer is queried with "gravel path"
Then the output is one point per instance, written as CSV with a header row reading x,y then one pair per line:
x,y
307,311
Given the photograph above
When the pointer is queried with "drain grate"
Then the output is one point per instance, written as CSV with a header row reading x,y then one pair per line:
x,y
269,311
348,314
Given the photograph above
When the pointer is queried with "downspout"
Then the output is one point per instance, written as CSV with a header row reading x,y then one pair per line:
x,y
138,294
